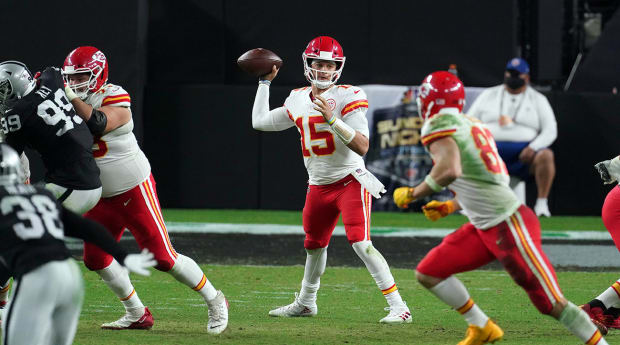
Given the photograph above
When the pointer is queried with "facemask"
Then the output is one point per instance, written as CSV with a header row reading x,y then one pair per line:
x,y
513,81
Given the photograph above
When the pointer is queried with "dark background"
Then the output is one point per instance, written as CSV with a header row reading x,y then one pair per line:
x,y
192,105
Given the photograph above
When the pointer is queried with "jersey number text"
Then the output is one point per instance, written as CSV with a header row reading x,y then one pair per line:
x,y
60,109
327,147
35,214
488,151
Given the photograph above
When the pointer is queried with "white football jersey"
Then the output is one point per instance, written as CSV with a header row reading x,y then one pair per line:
x,y
122,163
326,157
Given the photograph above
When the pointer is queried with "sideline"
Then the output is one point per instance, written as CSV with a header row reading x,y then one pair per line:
x,y
279,229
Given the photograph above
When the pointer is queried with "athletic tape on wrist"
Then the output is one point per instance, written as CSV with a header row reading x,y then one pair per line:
x,y
343,131
433,184
265,82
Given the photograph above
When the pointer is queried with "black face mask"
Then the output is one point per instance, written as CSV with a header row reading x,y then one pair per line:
x,y
513,81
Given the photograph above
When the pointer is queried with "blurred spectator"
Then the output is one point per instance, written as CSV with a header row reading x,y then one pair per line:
x,y
523,125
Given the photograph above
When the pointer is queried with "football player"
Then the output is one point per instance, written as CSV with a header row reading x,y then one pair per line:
x,y
36,113
129,199
499,227
48,291
604,310
331,120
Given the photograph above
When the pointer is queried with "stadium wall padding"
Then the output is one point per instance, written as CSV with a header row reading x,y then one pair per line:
x,y
205,153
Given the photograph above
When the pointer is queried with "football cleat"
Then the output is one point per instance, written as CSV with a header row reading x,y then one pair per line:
x,y
397,315
597,317
131,322
294,309
479,336
542,209
218,314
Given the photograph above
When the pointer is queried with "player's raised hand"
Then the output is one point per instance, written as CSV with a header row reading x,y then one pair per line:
x,y
271,75
140,263
321,105
438,209
603,170
403,196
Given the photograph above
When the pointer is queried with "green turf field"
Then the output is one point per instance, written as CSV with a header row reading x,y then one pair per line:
x,y
408,219
349,302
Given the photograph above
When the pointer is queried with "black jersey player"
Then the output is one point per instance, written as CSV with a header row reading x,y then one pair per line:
x,y
37,114
48,290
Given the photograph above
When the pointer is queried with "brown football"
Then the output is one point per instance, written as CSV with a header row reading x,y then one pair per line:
x,y
258,61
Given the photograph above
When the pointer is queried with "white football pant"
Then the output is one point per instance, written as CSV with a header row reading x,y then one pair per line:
x,y
45,305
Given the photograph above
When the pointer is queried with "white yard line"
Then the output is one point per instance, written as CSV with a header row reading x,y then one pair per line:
x,y
278,229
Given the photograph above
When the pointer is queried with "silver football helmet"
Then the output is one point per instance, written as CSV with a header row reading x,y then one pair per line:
x,y
10,166
16,81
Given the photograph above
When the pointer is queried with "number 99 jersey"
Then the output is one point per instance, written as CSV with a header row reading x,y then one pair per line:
x,y
482,190
326,157
31,231
46,121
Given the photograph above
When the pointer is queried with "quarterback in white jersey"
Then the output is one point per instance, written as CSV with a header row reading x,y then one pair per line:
x,y
129,199
331,120
499,227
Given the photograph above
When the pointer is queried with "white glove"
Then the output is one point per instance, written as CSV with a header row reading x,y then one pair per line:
x,y
139,263
609,170
70,94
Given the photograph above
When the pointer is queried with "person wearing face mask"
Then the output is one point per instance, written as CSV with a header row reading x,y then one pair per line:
x,y
523,125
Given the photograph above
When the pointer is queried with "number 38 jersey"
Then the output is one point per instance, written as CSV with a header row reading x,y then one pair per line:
x,y
31,231
122,163
46,121
482,190
326,157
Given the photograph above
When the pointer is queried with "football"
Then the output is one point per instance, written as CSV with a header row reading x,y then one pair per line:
x,y
258,61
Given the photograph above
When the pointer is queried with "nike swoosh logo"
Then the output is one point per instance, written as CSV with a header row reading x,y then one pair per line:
x,y
127,202
346,183
355,92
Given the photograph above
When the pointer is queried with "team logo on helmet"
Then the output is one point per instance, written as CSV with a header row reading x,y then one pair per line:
x,y
98,56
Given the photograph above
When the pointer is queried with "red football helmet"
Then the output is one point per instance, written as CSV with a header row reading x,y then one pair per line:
x,y
440,90
86,60
323,48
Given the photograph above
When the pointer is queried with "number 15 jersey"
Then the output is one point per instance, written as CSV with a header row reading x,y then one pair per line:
x,y
482,190
326,157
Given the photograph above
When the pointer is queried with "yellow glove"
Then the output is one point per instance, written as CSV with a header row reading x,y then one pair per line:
x,y
403,196
437,209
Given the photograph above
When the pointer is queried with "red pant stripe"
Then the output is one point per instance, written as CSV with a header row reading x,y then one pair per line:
x,y
162,230
366,211
157,209
530,254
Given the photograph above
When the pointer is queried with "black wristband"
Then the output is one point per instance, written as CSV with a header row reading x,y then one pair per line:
x,y
97,122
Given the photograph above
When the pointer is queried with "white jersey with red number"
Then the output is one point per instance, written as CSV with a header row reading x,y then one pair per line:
x,y
122,163
326,157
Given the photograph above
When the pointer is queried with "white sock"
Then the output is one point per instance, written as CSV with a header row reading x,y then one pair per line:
x,y
187,271
578,322
452,292
380,271
4,291
541,201
316,260
117,279
610,297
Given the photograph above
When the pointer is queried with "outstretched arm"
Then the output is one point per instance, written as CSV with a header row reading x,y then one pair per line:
x,y
262,118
